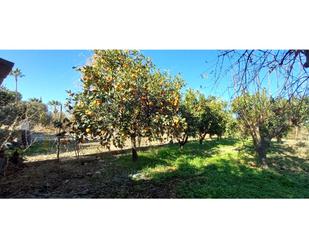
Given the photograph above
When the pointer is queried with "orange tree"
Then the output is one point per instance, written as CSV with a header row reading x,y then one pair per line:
x,y
124,97
186,122
213,118
199,116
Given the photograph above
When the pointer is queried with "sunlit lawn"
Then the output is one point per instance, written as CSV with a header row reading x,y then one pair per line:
x,y
217,169
221,169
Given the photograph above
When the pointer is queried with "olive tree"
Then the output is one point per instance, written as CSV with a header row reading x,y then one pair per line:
x,y
265,83
264,118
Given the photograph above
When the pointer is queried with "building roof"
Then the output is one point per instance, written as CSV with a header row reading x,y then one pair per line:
x,y
5,68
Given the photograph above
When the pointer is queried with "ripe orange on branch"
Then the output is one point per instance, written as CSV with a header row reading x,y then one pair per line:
x,y
89,113
98,102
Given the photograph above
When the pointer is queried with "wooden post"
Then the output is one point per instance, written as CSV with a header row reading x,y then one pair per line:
x,y
59,138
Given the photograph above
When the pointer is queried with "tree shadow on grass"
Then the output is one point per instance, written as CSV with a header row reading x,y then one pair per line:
x,y
280,148
111,177
222,178
287,177
282,158
289,164
226,179
168,154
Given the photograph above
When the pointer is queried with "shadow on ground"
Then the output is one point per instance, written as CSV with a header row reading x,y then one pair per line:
x,y
115,176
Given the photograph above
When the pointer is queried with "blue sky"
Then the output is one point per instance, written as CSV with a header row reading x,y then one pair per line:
x,y
48,73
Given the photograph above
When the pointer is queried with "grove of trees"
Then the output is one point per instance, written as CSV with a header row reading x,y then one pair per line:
x,y
125,97
12,113
201,116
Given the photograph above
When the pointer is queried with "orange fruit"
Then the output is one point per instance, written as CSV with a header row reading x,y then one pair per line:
x,y
98,102
89,113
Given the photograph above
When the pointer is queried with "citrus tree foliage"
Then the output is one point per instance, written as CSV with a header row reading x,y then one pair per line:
x,y
213,117
263,118
199,116
188,119
124,97
232,126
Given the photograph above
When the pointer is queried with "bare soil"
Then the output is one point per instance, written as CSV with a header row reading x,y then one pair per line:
x,y
92,176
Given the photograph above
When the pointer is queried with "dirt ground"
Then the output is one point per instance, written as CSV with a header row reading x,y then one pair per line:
x,y
47,150
92,176
99,175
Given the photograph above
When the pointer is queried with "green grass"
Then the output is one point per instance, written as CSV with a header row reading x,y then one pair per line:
x,y
217,169
220,169
39,148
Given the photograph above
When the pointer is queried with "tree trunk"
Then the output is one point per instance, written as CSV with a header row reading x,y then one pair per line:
x,y
261,152
201,138
261,157
58,148
24,138
133,145
3,163
183,141
59,138
279,140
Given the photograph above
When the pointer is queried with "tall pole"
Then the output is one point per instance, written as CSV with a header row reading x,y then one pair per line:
x,y
16,99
